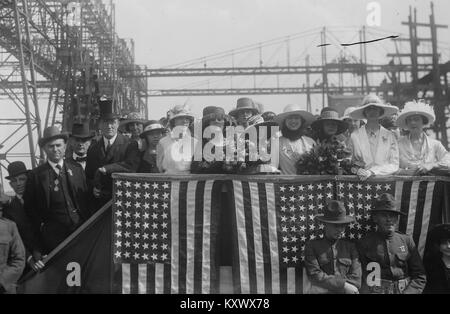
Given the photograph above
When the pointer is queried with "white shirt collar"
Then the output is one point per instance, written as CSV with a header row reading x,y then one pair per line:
x,y
111,140
53,165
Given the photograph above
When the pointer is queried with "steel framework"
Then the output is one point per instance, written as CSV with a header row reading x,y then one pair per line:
x,y
56,59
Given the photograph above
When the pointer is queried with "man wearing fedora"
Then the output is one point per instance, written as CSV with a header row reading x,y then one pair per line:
x,y
390,261
113,152
55,197
13,205
332,263
80,141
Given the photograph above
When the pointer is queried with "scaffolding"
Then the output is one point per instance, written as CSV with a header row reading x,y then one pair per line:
x,y
57,58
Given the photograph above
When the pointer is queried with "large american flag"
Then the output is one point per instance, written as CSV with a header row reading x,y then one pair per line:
x,y
415,197
164,235
273,218
272,222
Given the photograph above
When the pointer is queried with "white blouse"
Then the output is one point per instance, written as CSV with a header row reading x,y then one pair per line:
x,y
382,158
174,156
290,152
432,151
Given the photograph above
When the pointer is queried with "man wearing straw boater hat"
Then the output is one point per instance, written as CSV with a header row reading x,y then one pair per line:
x,y
55,197
390,260
113,152
80,140
332,263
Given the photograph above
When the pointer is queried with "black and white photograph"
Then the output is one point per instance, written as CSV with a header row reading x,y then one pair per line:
x,y
229,154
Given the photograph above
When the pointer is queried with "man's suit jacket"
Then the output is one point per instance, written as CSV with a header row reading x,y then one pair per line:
x,y
47,226
122,156
16,212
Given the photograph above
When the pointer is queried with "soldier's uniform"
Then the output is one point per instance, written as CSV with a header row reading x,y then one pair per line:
x,y
12,256
401,268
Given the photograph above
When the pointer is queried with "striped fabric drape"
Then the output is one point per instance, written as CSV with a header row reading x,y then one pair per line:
x,y
165,236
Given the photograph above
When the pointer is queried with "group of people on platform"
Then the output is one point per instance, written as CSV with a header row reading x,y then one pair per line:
x,y
54,199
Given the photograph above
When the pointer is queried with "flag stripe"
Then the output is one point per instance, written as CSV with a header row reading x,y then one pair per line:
x,y
182,238
142,279
174,246
206,239
283,278
412,208
398,194
426,217
257,238
151,278
134,279
242,280
291,280
126,278
248,214
167,289
190,235
421,194
406,192
159,278
199,226
265,237
273,240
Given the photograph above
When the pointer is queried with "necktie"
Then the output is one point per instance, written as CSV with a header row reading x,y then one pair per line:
x,y
108,146
80,159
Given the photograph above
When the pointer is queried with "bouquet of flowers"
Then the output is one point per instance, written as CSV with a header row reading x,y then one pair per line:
x,y
328,158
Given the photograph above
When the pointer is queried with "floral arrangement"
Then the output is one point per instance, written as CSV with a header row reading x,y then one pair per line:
x,y
328,158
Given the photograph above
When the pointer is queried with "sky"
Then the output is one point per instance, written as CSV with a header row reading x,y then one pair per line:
x,y
167,32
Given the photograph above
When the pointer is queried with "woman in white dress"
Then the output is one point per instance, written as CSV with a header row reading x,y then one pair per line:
x,y
372,145
175,151
420,154
293,143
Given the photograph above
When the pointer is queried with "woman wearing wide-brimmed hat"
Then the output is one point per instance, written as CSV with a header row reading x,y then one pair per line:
x,y
420,154
214,142
245,109
153,132
329,126
175,150
332,263
372,144
437,260
133,124
293,141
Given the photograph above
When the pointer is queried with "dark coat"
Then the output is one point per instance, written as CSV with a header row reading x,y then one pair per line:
x,y
438,276
16,212
12,256
49,227
147,163
398,259
122,156
321,270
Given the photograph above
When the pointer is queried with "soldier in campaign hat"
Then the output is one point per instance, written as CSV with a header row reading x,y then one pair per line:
x,y
332,263
398,265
